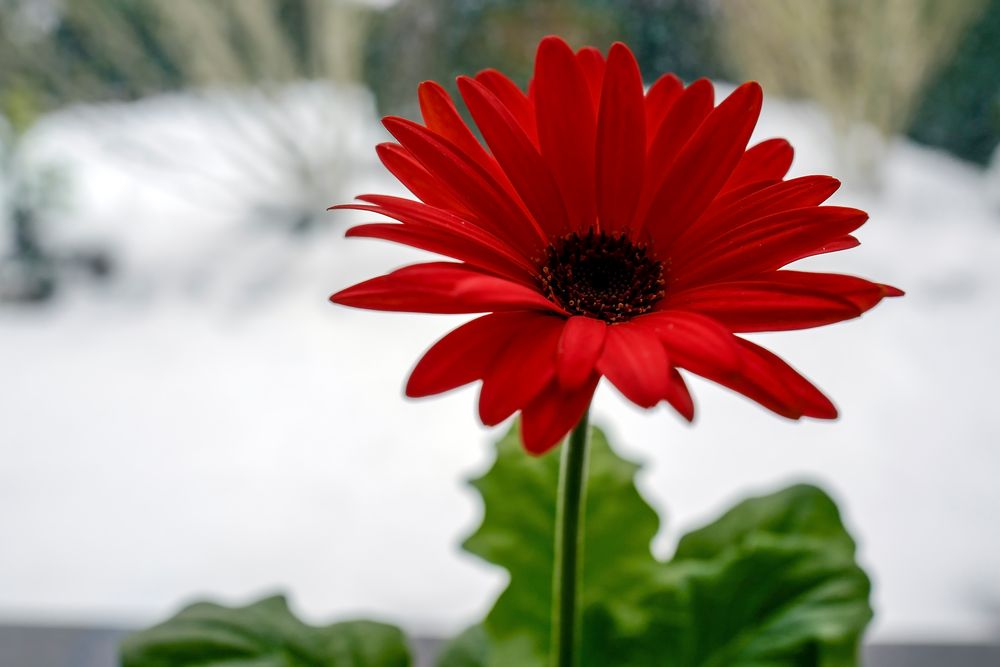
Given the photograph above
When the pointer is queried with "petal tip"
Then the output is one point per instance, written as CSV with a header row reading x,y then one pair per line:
x,y
550,41
619,48
683,411
752,88
551,47
890,291
825,410
414,390
390,122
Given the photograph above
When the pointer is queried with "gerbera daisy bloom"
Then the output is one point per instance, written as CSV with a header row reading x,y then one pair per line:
x,y
606,231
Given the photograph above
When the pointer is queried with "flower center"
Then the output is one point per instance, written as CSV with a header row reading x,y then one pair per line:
x,y
600,275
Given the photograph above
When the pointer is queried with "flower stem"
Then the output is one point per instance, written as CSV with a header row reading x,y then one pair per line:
x,y
570,507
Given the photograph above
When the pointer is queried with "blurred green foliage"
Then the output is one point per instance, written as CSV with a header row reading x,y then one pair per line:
x,y
415,40
19,106
101,50
79,55
95,50
676,36
961,108
263,634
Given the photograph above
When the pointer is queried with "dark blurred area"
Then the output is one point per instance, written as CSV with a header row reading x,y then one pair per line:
x,y
961,108
441,39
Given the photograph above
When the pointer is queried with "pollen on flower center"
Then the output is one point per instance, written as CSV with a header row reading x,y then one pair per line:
x,y
601,275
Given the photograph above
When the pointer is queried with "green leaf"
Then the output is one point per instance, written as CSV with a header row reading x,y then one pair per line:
x,y
362,644
519,493
773,600
263,634
778,575
772,583
469,649
802,511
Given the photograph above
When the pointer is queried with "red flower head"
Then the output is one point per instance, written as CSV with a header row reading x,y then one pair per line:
x,y
606,231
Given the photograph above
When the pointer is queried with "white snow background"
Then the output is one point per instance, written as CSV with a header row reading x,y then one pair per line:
x,y
210,426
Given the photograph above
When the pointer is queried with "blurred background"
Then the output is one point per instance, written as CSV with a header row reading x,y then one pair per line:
x,y
183,415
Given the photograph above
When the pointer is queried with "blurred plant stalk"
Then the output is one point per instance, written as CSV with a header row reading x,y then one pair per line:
x,y
28,193
865,61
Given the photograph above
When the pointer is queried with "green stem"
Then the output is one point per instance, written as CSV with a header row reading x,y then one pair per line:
x,y
569,546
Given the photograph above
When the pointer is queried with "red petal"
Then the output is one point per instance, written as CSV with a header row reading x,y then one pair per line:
x,y
444,243
442,287
553,413
409,209
524,367
862,293
469,183
635,362
703,165
513,98
417,214
695,342
566,128
836,245
780,302
518,156
579,349
729,197
679,124
786,300
890,291
678,395
621,140
768,160
768,380
768,243
418,180
442,118
592,65
778,387
465,354
659,100
720,219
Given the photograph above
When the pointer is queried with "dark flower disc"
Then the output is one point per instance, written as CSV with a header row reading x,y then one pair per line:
x,y
608,277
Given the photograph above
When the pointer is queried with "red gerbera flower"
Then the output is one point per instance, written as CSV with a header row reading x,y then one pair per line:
x,y
608,232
